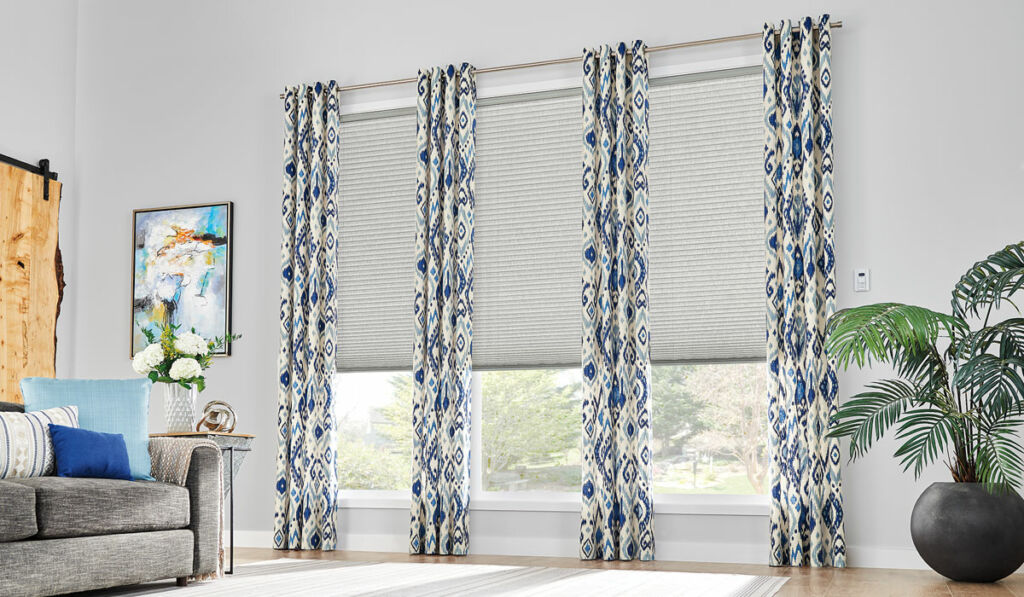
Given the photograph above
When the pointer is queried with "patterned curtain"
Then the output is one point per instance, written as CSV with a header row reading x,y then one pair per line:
x,y
442,363
617,509
806,504
307,481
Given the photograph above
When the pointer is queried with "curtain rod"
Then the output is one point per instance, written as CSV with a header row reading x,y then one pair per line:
x,y
496,69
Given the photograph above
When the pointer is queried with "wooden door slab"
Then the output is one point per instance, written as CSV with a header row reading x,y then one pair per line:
x,y
29,280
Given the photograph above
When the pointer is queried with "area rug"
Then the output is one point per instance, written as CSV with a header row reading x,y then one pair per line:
x,y
336,578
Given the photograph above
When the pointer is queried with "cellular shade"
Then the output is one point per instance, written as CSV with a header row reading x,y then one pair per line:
x,y
376,244
528,233
706,228
707,219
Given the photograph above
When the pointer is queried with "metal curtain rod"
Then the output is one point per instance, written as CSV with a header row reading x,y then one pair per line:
x,y
496,69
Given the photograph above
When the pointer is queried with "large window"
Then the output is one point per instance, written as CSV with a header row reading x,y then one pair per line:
x,y
706,291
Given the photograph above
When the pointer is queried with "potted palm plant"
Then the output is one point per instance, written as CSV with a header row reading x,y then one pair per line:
x,y
957,396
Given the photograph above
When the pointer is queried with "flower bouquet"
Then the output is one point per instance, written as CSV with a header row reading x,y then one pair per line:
x,y
178,360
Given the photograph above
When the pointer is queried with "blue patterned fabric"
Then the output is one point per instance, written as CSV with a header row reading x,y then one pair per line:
x,y
104,405
806,490
307,480
617,510
442,361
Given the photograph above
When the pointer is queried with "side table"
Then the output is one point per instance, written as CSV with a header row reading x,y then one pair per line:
x,y
234,447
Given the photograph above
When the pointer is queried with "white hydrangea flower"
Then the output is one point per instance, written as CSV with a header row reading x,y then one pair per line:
x,y
139,364
189,343
147,358
185,368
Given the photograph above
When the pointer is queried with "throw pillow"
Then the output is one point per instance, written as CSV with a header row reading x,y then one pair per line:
x,y
84,453
25,446
104,405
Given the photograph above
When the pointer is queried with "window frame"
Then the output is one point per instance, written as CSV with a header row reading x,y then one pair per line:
x,y
537,501
550,501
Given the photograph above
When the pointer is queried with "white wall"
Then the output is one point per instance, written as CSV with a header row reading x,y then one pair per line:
x,y
178,103
37,120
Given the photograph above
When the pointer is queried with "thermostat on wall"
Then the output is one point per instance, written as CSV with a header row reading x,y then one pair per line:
x,y
861,280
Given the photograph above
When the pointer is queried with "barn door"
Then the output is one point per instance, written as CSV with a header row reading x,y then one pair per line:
x,y
31,274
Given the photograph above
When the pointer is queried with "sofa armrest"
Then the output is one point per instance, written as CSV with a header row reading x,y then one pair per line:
x,y
204,494
196,464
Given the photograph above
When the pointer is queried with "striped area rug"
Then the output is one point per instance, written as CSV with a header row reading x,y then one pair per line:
x,y
335,578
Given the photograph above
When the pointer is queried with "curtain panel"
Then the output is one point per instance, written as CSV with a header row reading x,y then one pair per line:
x,y
806,500
443,310
307,484
617,505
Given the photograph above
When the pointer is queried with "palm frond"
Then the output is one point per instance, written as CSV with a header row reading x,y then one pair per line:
x,y
993,381
990,281
925,433
904,335
866,417
1006,335
1000,456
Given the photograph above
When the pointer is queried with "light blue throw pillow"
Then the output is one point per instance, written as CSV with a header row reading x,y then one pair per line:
x,y
104,405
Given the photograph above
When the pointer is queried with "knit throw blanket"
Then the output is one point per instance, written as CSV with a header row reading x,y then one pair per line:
x,y
171,458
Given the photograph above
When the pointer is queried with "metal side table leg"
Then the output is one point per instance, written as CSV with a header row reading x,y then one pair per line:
x,y
231,469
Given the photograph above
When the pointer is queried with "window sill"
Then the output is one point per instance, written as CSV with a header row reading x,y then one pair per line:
x,y
685,505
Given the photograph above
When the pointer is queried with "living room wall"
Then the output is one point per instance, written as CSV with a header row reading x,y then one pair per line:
x,y
37,120
177,102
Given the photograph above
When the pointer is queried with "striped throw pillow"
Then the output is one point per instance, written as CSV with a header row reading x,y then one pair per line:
x,y
26,449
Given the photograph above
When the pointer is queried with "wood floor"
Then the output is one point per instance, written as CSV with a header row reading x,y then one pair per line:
x,y
827,582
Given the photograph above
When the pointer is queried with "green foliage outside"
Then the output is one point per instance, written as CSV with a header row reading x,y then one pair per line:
x,y
378,458
710,428
531,432
709,415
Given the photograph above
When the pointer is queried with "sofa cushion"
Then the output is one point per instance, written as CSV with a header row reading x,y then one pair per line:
x,y
68,507
26,449
17,512
11,407
84,453
104,405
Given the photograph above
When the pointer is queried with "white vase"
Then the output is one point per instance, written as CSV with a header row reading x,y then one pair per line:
x,y
179,408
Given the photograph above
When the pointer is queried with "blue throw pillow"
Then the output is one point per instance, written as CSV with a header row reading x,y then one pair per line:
x,y
84,453
104,405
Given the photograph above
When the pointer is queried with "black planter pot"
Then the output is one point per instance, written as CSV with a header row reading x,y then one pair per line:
x,y
967,533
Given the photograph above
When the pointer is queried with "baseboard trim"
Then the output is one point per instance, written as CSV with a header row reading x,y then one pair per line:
x,y
900,558
726,553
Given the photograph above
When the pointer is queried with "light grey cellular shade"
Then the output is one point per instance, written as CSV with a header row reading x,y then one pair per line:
x,y
376,242
707,220
528,210
706,229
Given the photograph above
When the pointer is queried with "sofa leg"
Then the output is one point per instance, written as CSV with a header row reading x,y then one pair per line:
x,y
182,581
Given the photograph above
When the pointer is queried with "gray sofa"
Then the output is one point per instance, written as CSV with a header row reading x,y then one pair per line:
x,y
61,535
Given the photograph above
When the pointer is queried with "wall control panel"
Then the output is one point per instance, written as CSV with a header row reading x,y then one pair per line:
x,y
861,280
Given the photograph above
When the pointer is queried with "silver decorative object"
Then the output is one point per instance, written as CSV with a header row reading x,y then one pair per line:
x,y
179,408
217,416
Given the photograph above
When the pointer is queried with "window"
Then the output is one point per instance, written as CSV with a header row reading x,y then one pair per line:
x,y
706,289
531,429
373,413
710,428
710,422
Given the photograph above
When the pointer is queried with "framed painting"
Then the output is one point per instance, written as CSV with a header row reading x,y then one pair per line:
x,y
181,270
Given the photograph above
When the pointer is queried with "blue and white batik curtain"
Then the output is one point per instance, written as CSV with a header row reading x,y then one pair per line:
x,y
442,361
806,498
617,509
307,482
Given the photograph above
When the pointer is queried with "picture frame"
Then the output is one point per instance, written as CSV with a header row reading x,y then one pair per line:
x,y
181,270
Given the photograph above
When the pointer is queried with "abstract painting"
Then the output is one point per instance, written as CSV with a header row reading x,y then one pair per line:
x,y
181,270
